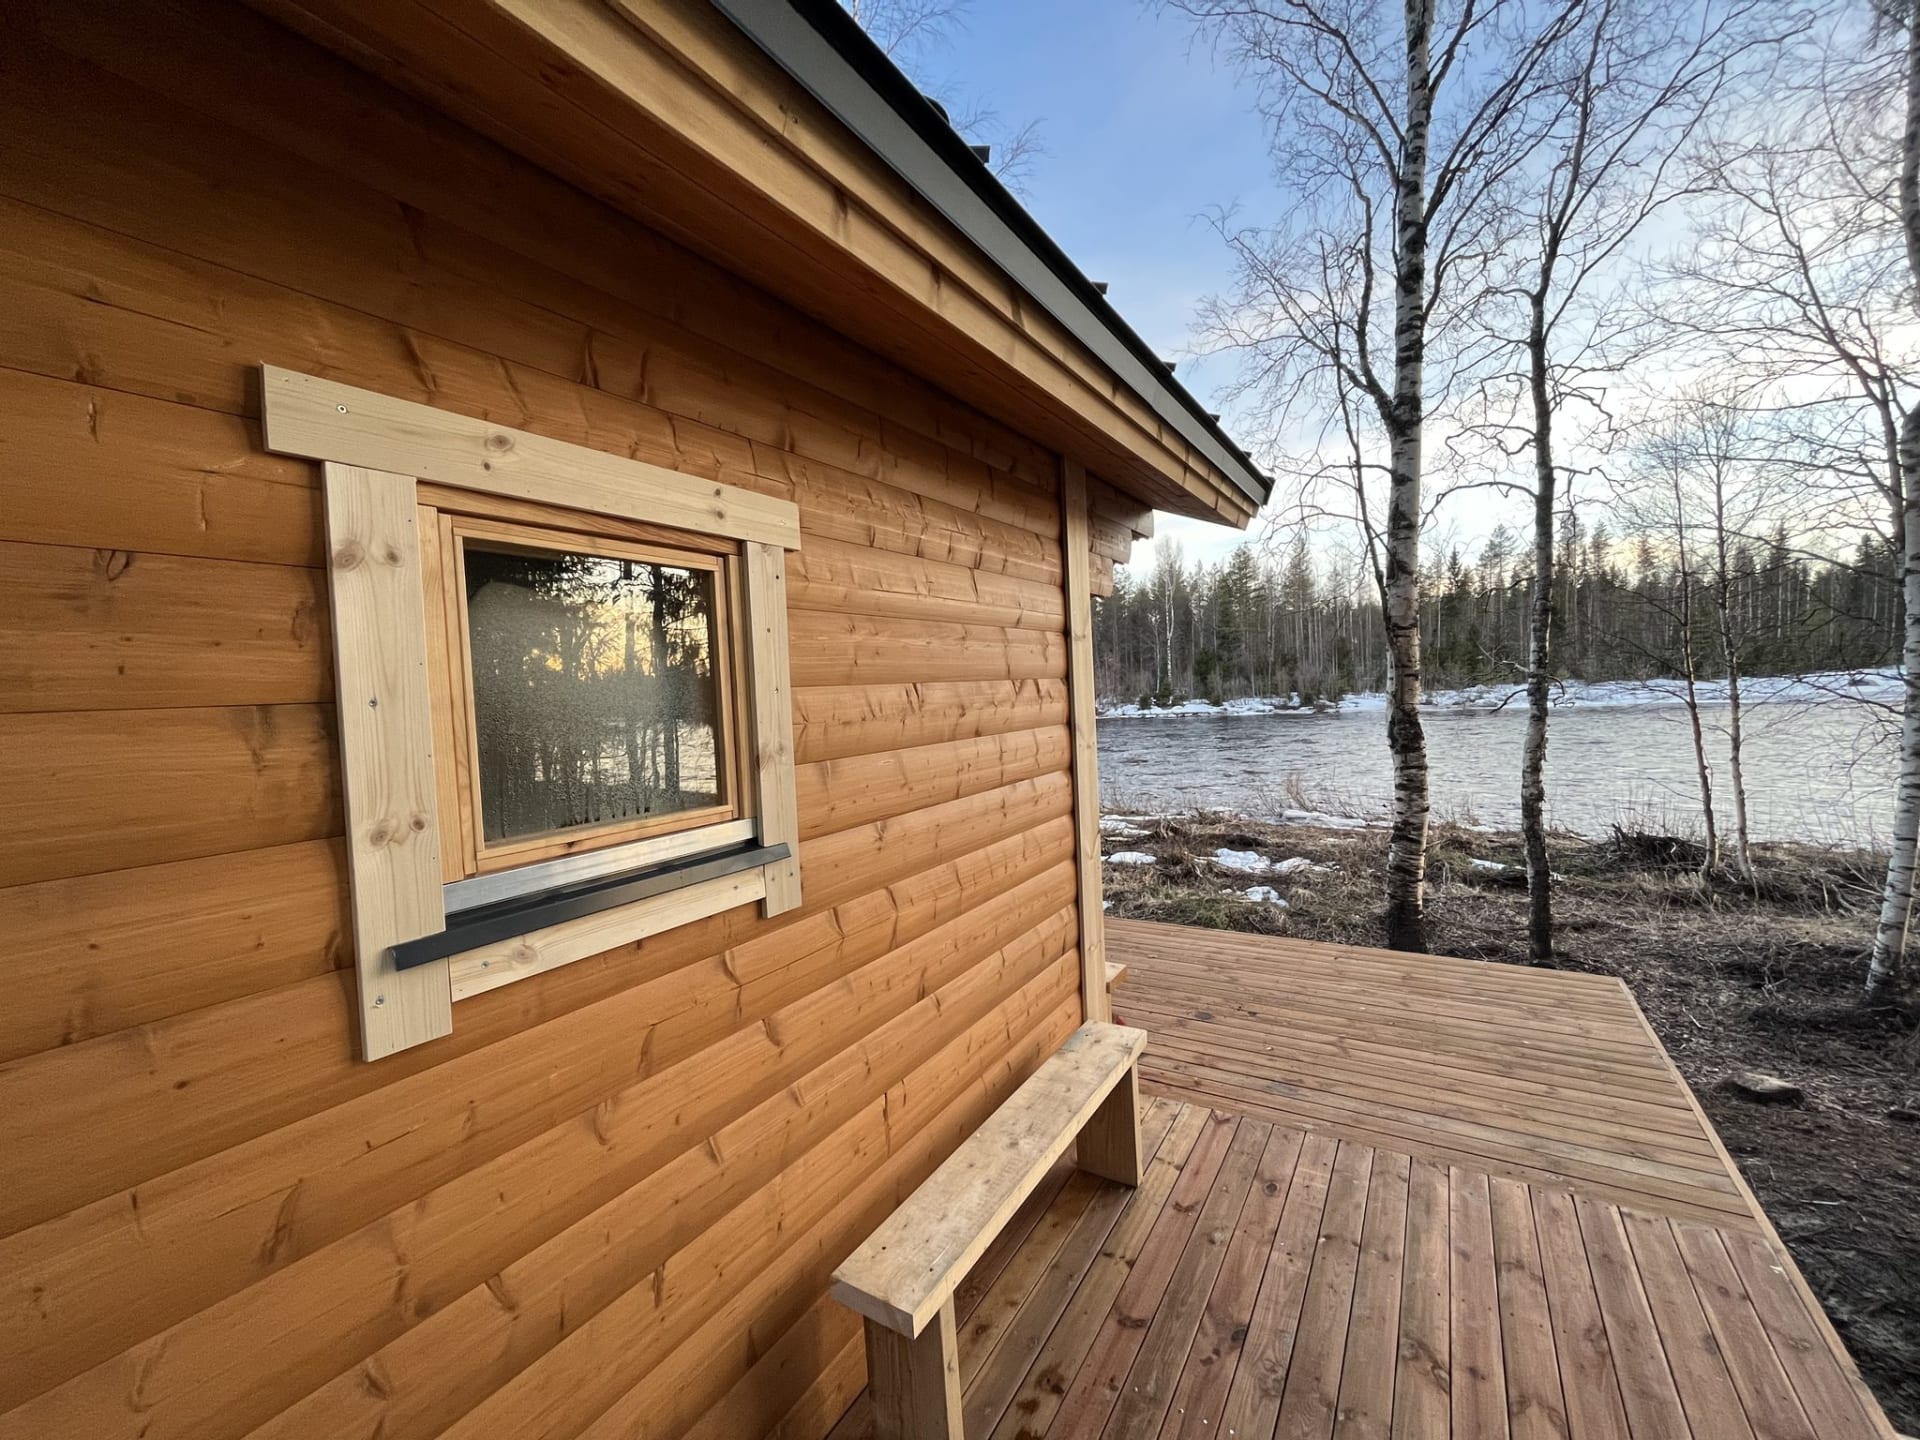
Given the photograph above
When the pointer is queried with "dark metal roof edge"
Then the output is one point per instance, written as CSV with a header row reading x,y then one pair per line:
x,y
826,51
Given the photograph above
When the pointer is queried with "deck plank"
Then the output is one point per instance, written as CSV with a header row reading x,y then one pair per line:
x,y
1061,1354
1373,1332
1647,1387
1479,1369
995,1377
1268,1281
1693,1355
1423,1380
1833,1400
1766,1393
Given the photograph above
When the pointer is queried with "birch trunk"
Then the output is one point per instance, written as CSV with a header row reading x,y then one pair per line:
x,y
1690,671
1533,762
1896,907
1703,767
1730,656
1406,921
1736,775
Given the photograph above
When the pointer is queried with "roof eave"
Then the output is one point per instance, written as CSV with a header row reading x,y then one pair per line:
x,y
825,51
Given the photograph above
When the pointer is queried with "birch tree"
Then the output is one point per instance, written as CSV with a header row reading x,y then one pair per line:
x,y
1394,134
1689,667
1801,282
1896,909
1636,79
1710,492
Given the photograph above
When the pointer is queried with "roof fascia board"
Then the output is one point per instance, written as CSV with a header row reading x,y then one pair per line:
x,y
1013,241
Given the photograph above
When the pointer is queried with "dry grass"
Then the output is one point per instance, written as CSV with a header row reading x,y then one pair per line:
x,y
1758,975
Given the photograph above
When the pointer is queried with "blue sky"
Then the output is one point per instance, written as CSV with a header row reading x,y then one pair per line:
x,y
1143,135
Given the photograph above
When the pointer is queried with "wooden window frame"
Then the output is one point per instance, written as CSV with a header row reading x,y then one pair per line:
x,y
454,725
387,466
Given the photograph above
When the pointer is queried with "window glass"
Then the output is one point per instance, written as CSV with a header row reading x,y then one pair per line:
x,y
596,697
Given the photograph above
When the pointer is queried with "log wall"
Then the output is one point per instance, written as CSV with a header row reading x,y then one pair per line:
x,y
609,1202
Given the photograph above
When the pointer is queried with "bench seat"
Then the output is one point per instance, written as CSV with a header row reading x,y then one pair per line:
x,y
903,1278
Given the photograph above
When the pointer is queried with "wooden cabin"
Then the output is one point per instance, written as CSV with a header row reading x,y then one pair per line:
x,y
551,863
548,745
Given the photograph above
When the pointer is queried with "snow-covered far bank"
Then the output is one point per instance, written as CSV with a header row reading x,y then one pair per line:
x,y
1881,687
1115,825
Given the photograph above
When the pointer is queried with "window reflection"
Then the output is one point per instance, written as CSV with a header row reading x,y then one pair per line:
x,y
595,693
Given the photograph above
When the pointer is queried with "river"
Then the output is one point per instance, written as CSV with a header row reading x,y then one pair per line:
x,y
1820,773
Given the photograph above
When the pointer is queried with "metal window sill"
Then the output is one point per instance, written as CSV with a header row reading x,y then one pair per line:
x,y
508,919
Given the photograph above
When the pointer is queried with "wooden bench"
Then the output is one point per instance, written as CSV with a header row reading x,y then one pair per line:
x,y
902,1280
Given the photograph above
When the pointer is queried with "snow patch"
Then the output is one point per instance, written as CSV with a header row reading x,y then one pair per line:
x,y
1264,895
1131,857
1260,705
1295,865
1488,865
1247,862
1320,820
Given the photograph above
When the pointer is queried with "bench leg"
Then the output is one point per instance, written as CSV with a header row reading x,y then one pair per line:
x,y
1110,1141
914,1385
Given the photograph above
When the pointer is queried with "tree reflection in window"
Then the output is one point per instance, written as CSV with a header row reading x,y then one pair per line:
x,y
595,695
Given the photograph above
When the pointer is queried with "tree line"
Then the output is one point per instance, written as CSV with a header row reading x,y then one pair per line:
x,y
1291,625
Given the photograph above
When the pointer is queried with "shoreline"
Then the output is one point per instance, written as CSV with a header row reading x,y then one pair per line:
x,y
1830,687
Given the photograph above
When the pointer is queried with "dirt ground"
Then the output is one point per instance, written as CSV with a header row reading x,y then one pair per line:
x,y
1734,977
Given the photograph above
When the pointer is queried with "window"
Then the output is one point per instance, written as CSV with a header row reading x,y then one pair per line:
x,y
596,694
565,718
592,687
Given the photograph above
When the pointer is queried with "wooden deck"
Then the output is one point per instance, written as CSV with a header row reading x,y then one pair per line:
x,y
1537,1075
1397,1197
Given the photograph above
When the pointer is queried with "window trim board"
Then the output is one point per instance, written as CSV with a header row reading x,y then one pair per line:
x,y
386,746
324,420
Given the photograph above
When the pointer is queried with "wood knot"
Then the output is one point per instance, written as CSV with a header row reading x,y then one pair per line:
x,y
418,824
113,563
499,442
390,555
350,556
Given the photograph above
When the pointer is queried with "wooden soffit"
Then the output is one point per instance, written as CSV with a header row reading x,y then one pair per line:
x,y
664,110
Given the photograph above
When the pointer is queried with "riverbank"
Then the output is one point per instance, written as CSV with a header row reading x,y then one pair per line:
x,y
1733,978
1879,687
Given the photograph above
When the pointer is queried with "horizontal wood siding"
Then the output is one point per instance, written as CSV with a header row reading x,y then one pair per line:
x,y
607,1203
